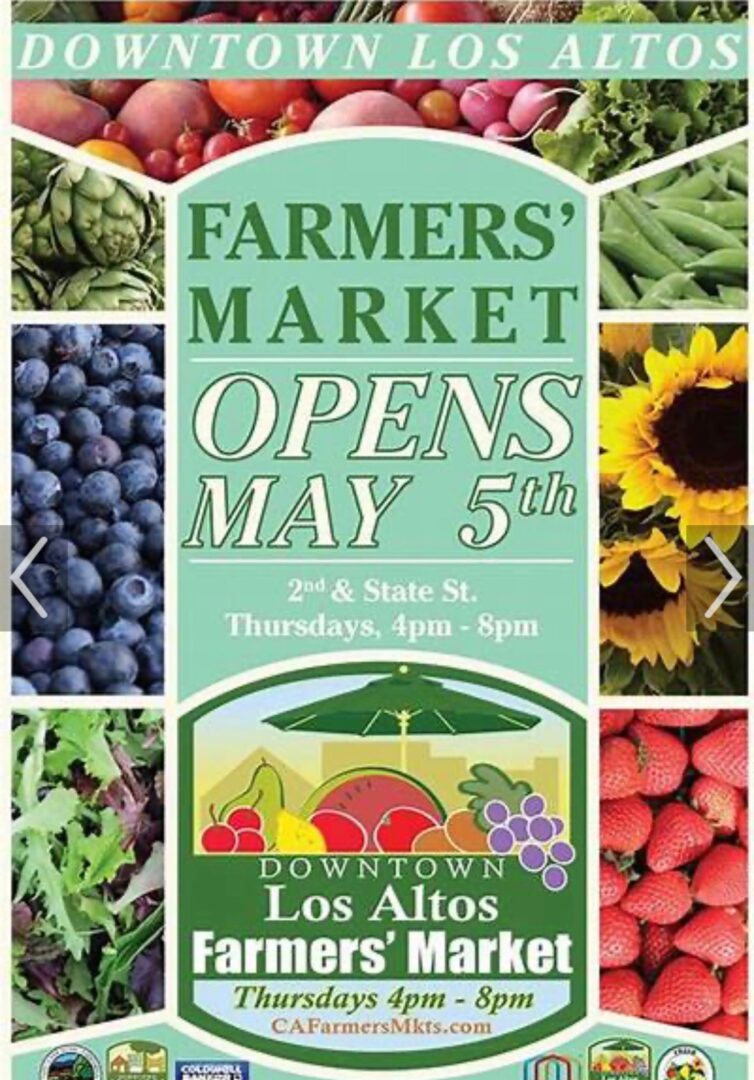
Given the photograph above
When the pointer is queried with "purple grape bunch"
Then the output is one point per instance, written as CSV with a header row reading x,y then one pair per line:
x,y
533,836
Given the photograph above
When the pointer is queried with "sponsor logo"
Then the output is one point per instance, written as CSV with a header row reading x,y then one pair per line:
x,y
685,1063
552,1067
628,1059
211,1070
137,1060
70,1063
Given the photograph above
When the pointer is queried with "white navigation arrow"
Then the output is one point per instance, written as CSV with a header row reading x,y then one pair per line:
x,y
732,573
18,574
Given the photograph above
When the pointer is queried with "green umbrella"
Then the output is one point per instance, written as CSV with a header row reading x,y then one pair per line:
x,y
405,702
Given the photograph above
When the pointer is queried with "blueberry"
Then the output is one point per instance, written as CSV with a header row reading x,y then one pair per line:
x,y
17,508
156,689
21,467
59,618
122,688
40,680
126,631
125,532
140,452
122,391
144,333
154,543
108,662
36,655
151,657
30,378
81,424
75,343
19,611
103,366
150,424
101,452
146,513
39,429
149,389
132,596
120,331
69,645
41,490
58,551
19,540
100,492
21,687
21,410
72,510
118,423
56,456
155,623
29,341
135,360
67,384
89,534
70,680
16,641
137,479
97,398
71,479
117,559
80,583
47,523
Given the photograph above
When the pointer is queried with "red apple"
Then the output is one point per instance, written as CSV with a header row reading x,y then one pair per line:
x,y
398,828
343,834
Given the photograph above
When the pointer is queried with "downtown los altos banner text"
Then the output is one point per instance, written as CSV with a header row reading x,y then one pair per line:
x,y
378,508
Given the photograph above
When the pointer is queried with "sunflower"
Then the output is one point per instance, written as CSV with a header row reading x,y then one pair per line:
x,y
620,339
682,436
653,599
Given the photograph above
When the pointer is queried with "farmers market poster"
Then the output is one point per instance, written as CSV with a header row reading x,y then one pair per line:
x,y
378,519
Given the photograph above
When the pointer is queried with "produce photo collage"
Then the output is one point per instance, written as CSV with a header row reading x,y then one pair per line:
x,y
92,163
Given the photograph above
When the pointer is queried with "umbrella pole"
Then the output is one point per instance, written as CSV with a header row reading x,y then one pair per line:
x,y
403,721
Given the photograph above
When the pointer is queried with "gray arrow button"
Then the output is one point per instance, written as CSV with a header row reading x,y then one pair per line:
x,y
18,574
730,570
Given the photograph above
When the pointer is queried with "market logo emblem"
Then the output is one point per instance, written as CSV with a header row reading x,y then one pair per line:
x,y
211,1070
685,1063
552,1067
137,1060
70,1063
624,1058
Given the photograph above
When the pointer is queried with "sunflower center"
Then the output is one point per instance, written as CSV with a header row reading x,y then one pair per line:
x,y
636,592
703,437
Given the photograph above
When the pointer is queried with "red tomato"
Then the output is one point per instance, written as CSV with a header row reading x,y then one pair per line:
x,y
269,15
441,11
189,142
114,131
410,90
334,89
222,144
300,112
187,163
253,131
439,109
160,164
266,98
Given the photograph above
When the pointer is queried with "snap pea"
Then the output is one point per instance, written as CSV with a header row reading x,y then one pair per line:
x,y
696,186
656,183
728,215
695,230
726,266
667,289
653,229
616,217
636,253
614,289
739,181
643,284
733,296
697,305
732,155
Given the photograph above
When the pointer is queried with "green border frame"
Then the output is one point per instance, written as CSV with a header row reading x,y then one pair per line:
x,y
391,1060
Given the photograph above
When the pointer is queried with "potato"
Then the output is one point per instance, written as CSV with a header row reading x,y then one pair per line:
x,y
159,111
51,108
367,108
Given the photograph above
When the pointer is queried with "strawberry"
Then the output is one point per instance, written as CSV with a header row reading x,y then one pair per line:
x,y
663,758
720,879
730,1027
717,935
625,825
719,803
622,991
620,775
620,940
613,884
659,898
614,721
685,992
742,825
679,836
676,717
656,948
722,754
736,988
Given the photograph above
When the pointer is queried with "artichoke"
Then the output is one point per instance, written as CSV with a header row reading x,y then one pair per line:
x,y
130,287
86,218
31,167
30,286
54,11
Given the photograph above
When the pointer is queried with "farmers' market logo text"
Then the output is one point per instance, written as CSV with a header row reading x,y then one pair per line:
x,y
510,426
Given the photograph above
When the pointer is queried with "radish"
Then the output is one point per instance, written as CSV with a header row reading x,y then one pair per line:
x,y
530,106
481,106
456,86
508,88
501,131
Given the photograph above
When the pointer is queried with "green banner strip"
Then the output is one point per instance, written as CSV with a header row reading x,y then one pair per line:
x,y
534,50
